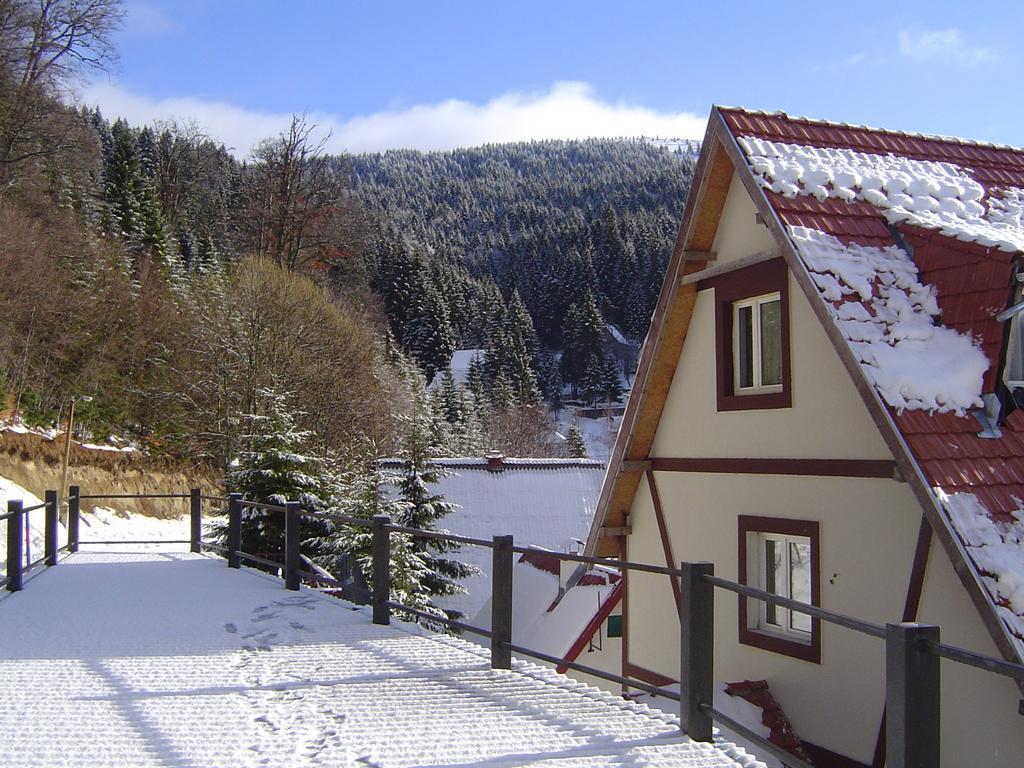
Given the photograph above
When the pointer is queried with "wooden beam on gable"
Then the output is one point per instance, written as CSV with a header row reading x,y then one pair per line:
x,y
699,256
660,355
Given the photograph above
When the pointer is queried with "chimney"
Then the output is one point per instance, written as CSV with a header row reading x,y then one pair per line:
x,y
495,462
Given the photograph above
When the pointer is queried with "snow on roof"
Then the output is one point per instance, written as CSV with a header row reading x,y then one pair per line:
x,y
459,366
546,503
996,549
911,241
928,194
173,659
887,317
540,620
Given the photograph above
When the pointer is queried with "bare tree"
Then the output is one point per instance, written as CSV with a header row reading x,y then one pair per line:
x,y
44,45
300,208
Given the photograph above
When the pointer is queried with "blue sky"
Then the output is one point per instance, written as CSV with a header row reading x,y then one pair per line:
x,y
441,74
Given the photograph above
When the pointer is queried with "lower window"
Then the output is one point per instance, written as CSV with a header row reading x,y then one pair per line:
x,y
780,556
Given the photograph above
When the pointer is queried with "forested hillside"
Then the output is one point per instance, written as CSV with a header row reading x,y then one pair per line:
x,y
148,267
576,233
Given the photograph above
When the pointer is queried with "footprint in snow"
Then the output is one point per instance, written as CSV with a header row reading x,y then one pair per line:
x,y
229,627
296,625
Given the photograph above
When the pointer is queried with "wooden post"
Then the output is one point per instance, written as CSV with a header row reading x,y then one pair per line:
x,y
697,649
74,512
381,569
196,517
292,563
911,697
234,529
15,530
501,602
50,531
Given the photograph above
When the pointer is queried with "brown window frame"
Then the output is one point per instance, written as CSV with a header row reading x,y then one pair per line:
x,y
741,284
810,529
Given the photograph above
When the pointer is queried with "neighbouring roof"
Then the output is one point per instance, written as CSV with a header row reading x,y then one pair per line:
x,y
547,616
546,503
114,659
909,241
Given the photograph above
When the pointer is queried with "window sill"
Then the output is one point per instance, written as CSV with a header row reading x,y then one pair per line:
x,y
755,401
776,643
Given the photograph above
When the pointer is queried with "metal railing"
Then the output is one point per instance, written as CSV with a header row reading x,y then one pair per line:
x,y
912,651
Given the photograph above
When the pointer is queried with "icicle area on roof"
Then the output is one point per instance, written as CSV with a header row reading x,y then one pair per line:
x,y
995,548
936,196
888,318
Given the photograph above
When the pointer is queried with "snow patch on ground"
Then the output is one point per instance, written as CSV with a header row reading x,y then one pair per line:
x,y
598,434
101,524
937,196
736,707
997,550
173,659
889,320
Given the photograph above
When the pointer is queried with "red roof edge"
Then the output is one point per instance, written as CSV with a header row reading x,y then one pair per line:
x,y
614,598
782,733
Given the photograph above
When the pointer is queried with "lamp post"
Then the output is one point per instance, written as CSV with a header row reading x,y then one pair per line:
x,y
67,450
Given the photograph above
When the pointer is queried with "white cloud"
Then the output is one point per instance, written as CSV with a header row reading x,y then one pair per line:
x,y
948,44
567,110
147,21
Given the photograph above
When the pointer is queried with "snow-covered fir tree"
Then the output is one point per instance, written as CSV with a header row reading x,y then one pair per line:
x,y
277,467
574,444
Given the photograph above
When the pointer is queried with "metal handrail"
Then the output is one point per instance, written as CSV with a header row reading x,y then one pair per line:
x,y
440,619
978,660
133,496
785,756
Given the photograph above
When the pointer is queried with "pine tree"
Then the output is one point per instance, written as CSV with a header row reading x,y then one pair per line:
x,y
276,468
574,444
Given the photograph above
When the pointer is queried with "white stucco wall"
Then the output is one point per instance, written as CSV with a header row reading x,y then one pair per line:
x,y
980,723
738,233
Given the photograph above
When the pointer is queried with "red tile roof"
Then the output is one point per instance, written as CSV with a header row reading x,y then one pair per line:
x,y
972,282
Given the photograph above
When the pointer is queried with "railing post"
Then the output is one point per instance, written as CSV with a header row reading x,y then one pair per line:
x,y
234,529
501,603
74,512
381,569
196,519
911,696
15,530
50,529
697,649
292,519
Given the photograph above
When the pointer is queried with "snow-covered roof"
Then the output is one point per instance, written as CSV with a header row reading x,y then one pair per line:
x,y
911,241
174,659
547,503
459,366
545,620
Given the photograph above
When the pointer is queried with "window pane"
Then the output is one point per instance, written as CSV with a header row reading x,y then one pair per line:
x,y
800,581
771,343
1015,352
744,347
772,574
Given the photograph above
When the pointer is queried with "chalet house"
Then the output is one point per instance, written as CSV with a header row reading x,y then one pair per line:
x,y
828,407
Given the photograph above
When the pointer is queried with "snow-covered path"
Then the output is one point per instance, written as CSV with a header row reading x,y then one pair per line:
x,y
172,659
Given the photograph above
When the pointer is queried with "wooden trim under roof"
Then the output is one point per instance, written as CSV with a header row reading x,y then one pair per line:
x,y
664,342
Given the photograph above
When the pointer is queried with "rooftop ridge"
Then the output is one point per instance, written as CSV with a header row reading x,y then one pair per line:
x,y
873,129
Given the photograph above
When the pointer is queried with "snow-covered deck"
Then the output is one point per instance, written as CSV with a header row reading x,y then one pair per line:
x,y
172,659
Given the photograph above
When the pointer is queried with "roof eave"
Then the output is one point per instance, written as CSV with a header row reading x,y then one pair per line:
x,y
624,449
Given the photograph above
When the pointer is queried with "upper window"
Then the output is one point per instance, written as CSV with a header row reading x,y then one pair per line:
x,y
757,344
1013,371
752,336
780,556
